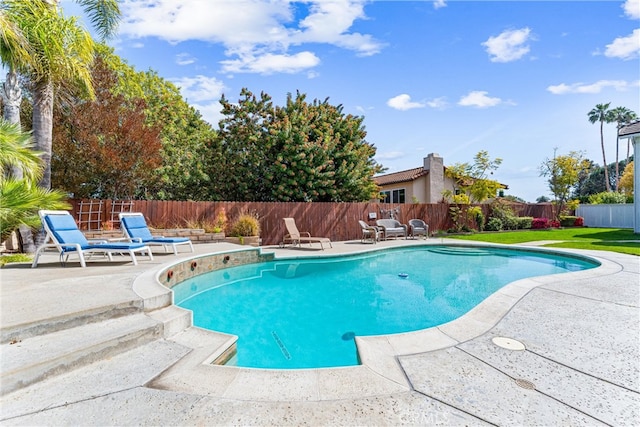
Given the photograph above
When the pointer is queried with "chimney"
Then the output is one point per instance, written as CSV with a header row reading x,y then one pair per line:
x,y
435,180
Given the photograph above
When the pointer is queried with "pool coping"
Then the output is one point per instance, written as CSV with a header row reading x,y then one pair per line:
x,y
380,372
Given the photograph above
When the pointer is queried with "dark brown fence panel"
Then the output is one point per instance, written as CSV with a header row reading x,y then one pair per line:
x,y
337,221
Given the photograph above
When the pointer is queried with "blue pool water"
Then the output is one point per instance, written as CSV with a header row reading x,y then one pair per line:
x,y
305,313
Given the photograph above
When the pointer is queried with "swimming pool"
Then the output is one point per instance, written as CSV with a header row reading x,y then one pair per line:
x,y
304,313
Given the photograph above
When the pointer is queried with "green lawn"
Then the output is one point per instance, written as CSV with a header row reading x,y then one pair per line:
x,y
602,239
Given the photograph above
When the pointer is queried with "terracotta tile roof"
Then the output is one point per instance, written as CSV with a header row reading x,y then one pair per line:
x,y
402,176
630,129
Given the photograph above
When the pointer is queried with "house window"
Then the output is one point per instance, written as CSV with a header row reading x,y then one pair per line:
x,y
394,196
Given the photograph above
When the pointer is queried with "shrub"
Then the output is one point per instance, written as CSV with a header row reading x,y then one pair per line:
x,y
524,222
510,222
607,197
554,224
221,221
502,211
246,225
579,222
539,223
494,224
569,220
476,213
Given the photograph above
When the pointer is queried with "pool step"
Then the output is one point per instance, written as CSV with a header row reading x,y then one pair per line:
x,y
36,358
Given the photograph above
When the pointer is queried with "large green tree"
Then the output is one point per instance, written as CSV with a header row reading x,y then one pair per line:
x,y
297,152
186,140
114,157
563,172
600,114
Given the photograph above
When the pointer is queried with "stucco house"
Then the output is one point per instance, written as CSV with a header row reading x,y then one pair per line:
x,y
424,184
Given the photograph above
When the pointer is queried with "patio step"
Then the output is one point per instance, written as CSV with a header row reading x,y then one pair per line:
x,y
173,318
22,331
33,359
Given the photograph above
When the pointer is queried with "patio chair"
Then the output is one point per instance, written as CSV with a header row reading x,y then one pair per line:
x,y
369,232
135,228
391,228
418,228
64,235
296,238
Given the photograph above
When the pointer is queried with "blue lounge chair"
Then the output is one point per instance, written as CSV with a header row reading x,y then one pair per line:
x,y
135,228
64,235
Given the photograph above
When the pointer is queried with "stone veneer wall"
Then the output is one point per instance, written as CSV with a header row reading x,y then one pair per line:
x,y
197,235
184,270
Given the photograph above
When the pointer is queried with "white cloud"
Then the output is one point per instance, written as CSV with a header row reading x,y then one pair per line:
x,y
252,29
439,103
510,45
329,22
211,112
632,9
403,102
625,47
199,88
437,4
597,87
202,93
270,63
479,99
184,59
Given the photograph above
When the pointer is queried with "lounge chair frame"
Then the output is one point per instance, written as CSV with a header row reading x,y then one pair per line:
x,y
142,234
296,238
78,244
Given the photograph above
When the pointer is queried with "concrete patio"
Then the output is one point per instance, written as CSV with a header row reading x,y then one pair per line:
x,y
579,366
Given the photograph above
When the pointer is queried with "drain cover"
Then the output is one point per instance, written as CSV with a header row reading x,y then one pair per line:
x,y
525,384
508,343
348,336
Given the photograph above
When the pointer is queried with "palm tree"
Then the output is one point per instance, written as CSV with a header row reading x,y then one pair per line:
x,y
601,114
14,51
621,116
61,53
20,199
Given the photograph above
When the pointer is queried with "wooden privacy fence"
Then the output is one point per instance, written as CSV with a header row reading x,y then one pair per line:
x,y
337,221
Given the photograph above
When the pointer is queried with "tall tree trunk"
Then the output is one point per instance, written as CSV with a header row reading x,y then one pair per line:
x,y
12,98
43,126
43,134
604,157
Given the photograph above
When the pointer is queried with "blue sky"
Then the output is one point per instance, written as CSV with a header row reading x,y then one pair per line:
x,y
515,78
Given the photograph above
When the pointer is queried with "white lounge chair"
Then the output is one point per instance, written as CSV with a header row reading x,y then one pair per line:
x,y
296,238
135,228
64,235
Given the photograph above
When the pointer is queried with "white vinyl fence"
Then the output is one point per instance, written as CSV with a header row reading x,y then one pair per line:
x,y
613,216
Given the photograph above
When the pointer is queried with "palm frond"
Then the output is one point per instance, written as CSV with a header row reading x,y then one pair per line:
x,y
16,151
103,14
